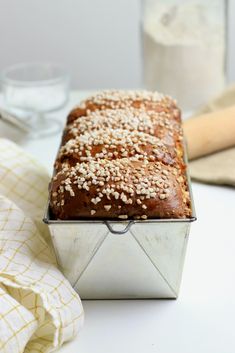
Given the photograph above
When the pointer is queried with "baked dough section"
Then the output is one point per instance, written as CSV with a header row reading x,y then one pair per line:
x,y
121,157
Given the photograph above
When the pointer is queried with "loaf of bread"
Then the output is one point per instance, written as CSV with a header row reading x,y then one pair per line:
x,y
121,157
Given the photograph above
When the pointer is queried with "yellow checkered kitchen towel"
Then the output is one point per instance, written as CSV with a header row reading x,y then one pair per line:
x,y
39,310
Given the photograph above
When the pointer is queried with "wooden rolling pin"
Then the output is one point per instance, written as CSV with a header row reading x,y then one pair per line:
x,y
210,132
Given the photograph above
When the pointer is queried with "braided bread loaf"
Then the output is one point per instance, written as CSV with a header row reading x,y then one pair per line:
x,y
121,157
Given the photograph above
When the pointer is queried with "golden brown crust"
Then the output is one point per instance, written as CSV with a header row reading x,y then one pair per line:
x,y
149,101
158,124
115,144
131,189
121,157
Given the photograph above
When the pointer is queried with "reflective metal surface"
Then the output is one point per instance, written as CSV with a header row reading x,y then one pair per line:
x,y
113,259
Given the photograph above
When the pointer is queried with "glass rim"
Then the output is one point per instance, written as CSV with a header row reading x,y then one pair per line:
x,y
62,76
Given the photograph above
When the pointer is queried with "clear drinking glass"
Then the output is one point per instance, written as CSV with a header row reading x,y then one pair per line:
x,y
33,90
184,49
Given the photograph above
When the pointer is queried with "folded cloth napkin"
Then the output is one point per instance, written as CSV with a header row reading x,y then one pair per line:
x,y
39,310
217,168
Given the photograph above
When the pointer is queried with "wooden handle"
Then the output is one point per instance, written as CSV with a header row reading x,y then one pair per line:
x,y
210,132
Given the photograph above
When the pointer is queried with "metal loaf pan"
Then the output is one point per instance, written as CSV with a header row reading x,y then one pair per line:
x,y
113,259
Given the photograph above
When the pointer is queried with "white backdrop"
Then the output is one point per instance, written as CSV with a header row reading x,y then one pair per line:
x,y
99,40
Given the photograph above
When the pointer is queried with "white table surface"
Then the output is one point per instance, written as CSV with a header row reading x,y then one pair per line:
x,y
202,319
